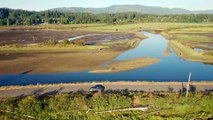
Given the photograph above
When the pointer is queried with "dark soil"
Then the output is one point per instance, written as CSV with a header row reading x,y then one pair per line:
x,y
38,36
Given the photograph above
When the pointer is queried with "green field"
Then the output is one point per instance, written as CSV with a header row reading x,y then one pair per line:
x,y
91,106
192,38
147,26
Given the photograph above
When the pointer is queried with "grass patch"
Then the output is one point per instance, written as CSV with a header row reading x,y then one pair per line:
x,y
50,26
191,38
195,29
145,26
188,53
29,49
208,53
123,43
50,46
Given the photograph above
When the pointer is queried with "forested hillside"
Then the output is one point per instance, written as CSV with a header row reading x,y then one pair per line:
x,y
23,17
133,8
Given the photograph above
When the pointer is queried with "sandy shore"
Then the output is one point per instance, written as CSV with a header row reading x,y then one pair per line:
x,y
14,91
54,62
126,65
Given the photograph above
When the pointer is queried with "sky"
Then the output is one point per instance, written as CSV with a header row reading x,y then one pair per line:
x,y
38,5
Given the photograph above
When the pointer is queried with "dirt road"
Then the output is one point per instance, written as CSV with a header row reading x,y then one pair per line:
x,y
115,86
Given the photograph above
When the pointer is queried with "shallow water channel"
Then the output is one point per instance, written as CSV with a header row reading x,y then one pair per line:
x,y
170,68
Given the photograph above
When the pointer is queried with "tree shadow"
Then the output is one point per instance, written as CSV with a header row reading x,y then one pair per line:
x,y
20,96
208,90
192,88
54,92
37,92
183,89
170,89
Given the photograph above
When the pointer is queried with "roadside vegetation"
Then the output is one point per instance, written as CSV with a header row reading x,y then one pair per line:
x,y
91,106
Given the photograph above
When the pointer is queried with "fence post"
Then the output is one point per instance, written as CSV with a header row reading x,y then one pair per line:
x,y
188,85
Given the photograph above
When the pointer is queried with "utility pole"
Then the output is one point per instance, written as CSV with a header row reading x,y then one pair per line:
x,y
187,89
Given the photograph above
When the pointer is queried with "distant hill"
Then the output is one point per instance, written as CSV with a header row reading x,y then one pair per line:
x,y
132,8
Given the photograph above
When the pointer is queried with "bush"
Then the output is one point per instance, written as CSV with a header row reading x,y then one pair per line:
x,y
65,42
51,42
30,106
17,45
79,42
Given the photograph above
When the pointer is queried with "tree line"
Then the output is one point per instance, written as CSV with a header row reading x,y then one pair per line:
x,y
22,17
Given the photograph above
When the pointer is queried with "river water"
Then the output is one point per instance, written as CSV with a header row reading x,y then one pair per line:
x,y
170,68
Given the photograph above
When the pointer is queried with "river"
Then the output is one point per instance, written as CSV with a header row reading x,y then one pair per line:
x,y
170,68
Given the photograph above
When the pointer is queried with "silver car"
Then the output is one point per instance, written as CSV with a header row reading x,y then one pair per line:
x,y
97,88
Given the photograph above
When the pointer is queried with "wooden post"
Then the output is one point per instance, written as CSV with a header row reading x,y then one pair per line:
x,y
187,89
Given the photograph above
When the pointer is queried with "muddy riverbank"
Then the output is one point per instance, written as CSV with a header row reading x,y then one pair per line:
x,y
38,36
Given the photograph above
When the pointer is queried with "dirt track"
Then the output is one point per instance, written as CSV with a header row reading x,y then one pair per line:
x,y
115,86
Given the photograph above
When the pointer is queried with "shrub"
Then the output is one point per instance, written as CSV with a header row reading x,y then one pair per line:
x,y
30,106
17,45
208,53
79,42
51,42
65,42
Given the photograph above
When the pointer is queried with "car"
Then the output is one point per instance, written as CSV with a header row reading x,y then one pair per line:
x,y
97,88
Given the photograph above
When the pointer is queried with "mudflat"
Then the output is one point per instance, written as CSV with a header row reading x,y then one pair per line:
x,y
53,62
38,36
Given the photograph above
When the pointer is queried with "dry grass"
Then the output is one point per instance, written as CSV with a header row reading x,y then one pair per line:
x,y
188,53
42,48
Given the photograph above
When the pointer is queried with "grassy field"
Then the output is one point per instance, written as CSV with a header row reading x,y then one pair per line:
x,y
126,65
187,38
194,29
117,27
91,106
50,26
57,48
188,27
146,26
190,54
